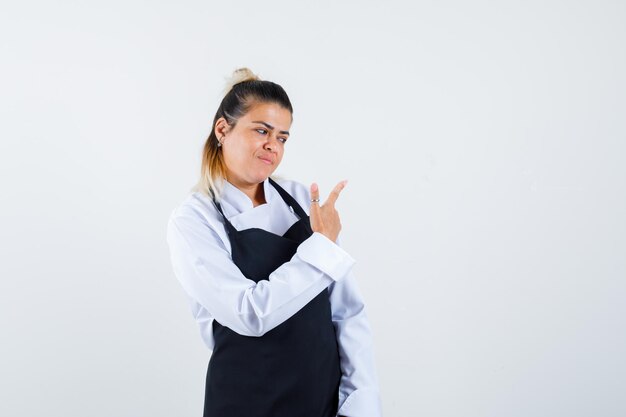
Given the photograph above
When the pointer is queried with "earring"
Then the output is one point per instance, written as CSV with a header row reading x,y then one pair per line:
x,y
219,143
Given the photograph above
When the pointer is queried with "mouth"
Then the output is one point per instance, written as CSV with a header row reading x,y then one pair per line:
x,y
267,161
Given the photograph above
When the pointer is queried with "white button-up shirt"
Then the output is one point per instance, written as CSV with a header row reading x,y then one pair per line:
x,y
216,288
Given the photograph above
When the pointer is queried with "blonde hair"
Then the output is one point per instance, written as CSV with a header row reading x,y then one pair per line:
x,y
239,75
243,89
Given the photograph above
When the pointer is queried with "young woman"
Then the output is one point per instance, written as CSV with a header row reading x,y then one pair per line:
x,y
273,293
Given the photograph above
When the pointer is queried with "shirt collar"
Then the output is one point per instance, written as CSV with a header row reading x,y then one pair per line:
x,y
239,200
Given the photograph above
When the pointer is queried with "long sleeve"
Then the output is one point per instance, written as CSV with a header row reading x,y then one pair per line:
x,y
207,273
358,389
359,395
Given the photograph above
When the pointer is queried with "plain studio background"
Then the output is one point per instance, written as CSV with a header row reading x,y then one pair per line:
x,y
484,147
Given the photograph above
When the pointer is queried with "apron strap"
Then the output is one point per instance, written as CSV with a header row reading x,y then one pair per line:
x,y
229,226
287,198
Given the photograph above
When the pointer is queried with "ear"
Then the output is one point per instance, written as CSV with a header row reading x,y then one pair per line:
x,y
221,127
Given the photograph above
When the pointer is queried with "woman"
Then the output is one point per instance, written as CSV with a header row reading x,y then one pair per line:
x,y
271,290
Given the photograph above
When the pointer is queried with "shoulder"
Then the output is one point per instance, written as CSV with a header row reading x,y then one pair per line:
x,y
194,204
195,228
293,187
196,211
297,190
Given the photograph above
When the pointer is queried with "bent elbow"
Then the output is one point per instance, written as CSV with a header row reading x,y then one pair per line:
x,y
254,313
253,325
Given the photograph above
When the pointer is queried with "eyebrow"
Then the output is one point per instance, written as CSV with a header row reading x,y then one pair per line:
x,y
270,127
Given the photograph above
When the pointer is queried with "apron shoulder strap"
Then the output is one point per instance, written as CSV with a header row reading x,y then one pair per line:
x,y
289,199
229,226
283,193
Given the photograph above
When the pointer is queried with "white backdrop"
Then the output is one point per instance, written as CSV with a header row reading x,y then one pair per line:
x,y
484,143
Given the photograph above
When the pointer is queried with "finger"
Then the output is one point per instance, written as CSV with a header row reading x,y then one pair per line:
x,y
315,194
334,194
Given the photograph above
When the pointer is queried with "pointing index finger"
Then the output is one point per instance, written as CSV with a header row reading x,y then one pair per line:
x,y
334,194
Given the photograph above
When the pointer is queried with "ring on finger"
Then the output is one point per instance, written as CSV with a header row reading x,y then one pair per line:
x,y
315,200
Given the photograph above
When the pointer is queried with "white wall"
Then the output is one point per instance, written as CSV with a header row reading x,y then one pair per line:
x,y
484,143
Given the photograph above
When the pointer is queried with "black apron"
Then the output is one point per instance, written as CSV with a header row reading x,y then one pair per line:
x,y
292,370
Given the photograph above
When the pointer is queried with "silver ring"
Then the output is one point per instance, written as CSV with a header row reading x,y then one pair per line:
x,y
316,200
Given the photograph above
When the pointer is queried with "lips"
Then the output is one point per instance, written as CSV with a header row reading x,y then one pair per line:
x,y
267,160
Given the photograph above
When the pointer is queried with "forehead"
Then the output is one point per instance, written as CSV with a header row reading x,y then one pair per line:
x,y
271,113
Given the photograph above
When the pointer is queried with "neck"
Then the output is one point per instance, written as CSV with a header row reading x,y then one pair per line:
x,y
255,192
259,196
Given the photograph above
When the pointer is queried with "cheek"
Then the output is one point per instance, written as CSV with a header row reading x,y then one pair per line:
x,y
279,155
244,149
238,154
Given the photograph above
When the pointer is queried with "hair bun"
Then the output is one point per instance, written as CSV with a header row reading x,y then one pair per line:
x,y
240,75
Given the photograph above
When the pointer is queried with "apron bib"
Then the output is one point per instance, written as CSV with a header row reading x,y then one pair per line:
x,y
292,370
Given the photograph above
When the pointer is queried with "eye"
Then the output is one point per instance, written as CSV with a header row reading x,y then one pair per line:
x,y
283,140
262,131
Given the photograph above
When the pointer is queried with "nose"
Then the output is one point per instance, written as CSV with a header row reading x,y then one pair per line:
x,y
270,144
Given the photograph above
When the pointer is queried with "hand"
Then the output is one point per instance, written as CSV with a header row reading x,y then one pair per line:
x,y
325,218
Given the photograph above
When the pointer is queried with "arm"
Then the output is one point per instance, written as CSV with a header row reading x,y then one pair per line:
x,y
207,273
358,389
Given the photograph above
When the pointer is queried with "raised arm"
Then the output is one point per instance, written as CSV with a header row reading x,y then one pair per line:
x,y
203,266
359,394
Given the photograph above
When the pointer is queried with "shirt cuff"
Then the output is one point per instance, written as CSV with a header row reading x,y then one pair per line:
x,y
325,255
361,403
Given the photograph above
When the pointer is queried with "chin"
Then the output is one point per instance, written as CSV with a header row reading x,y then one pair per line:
x,y
268,173
262,177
